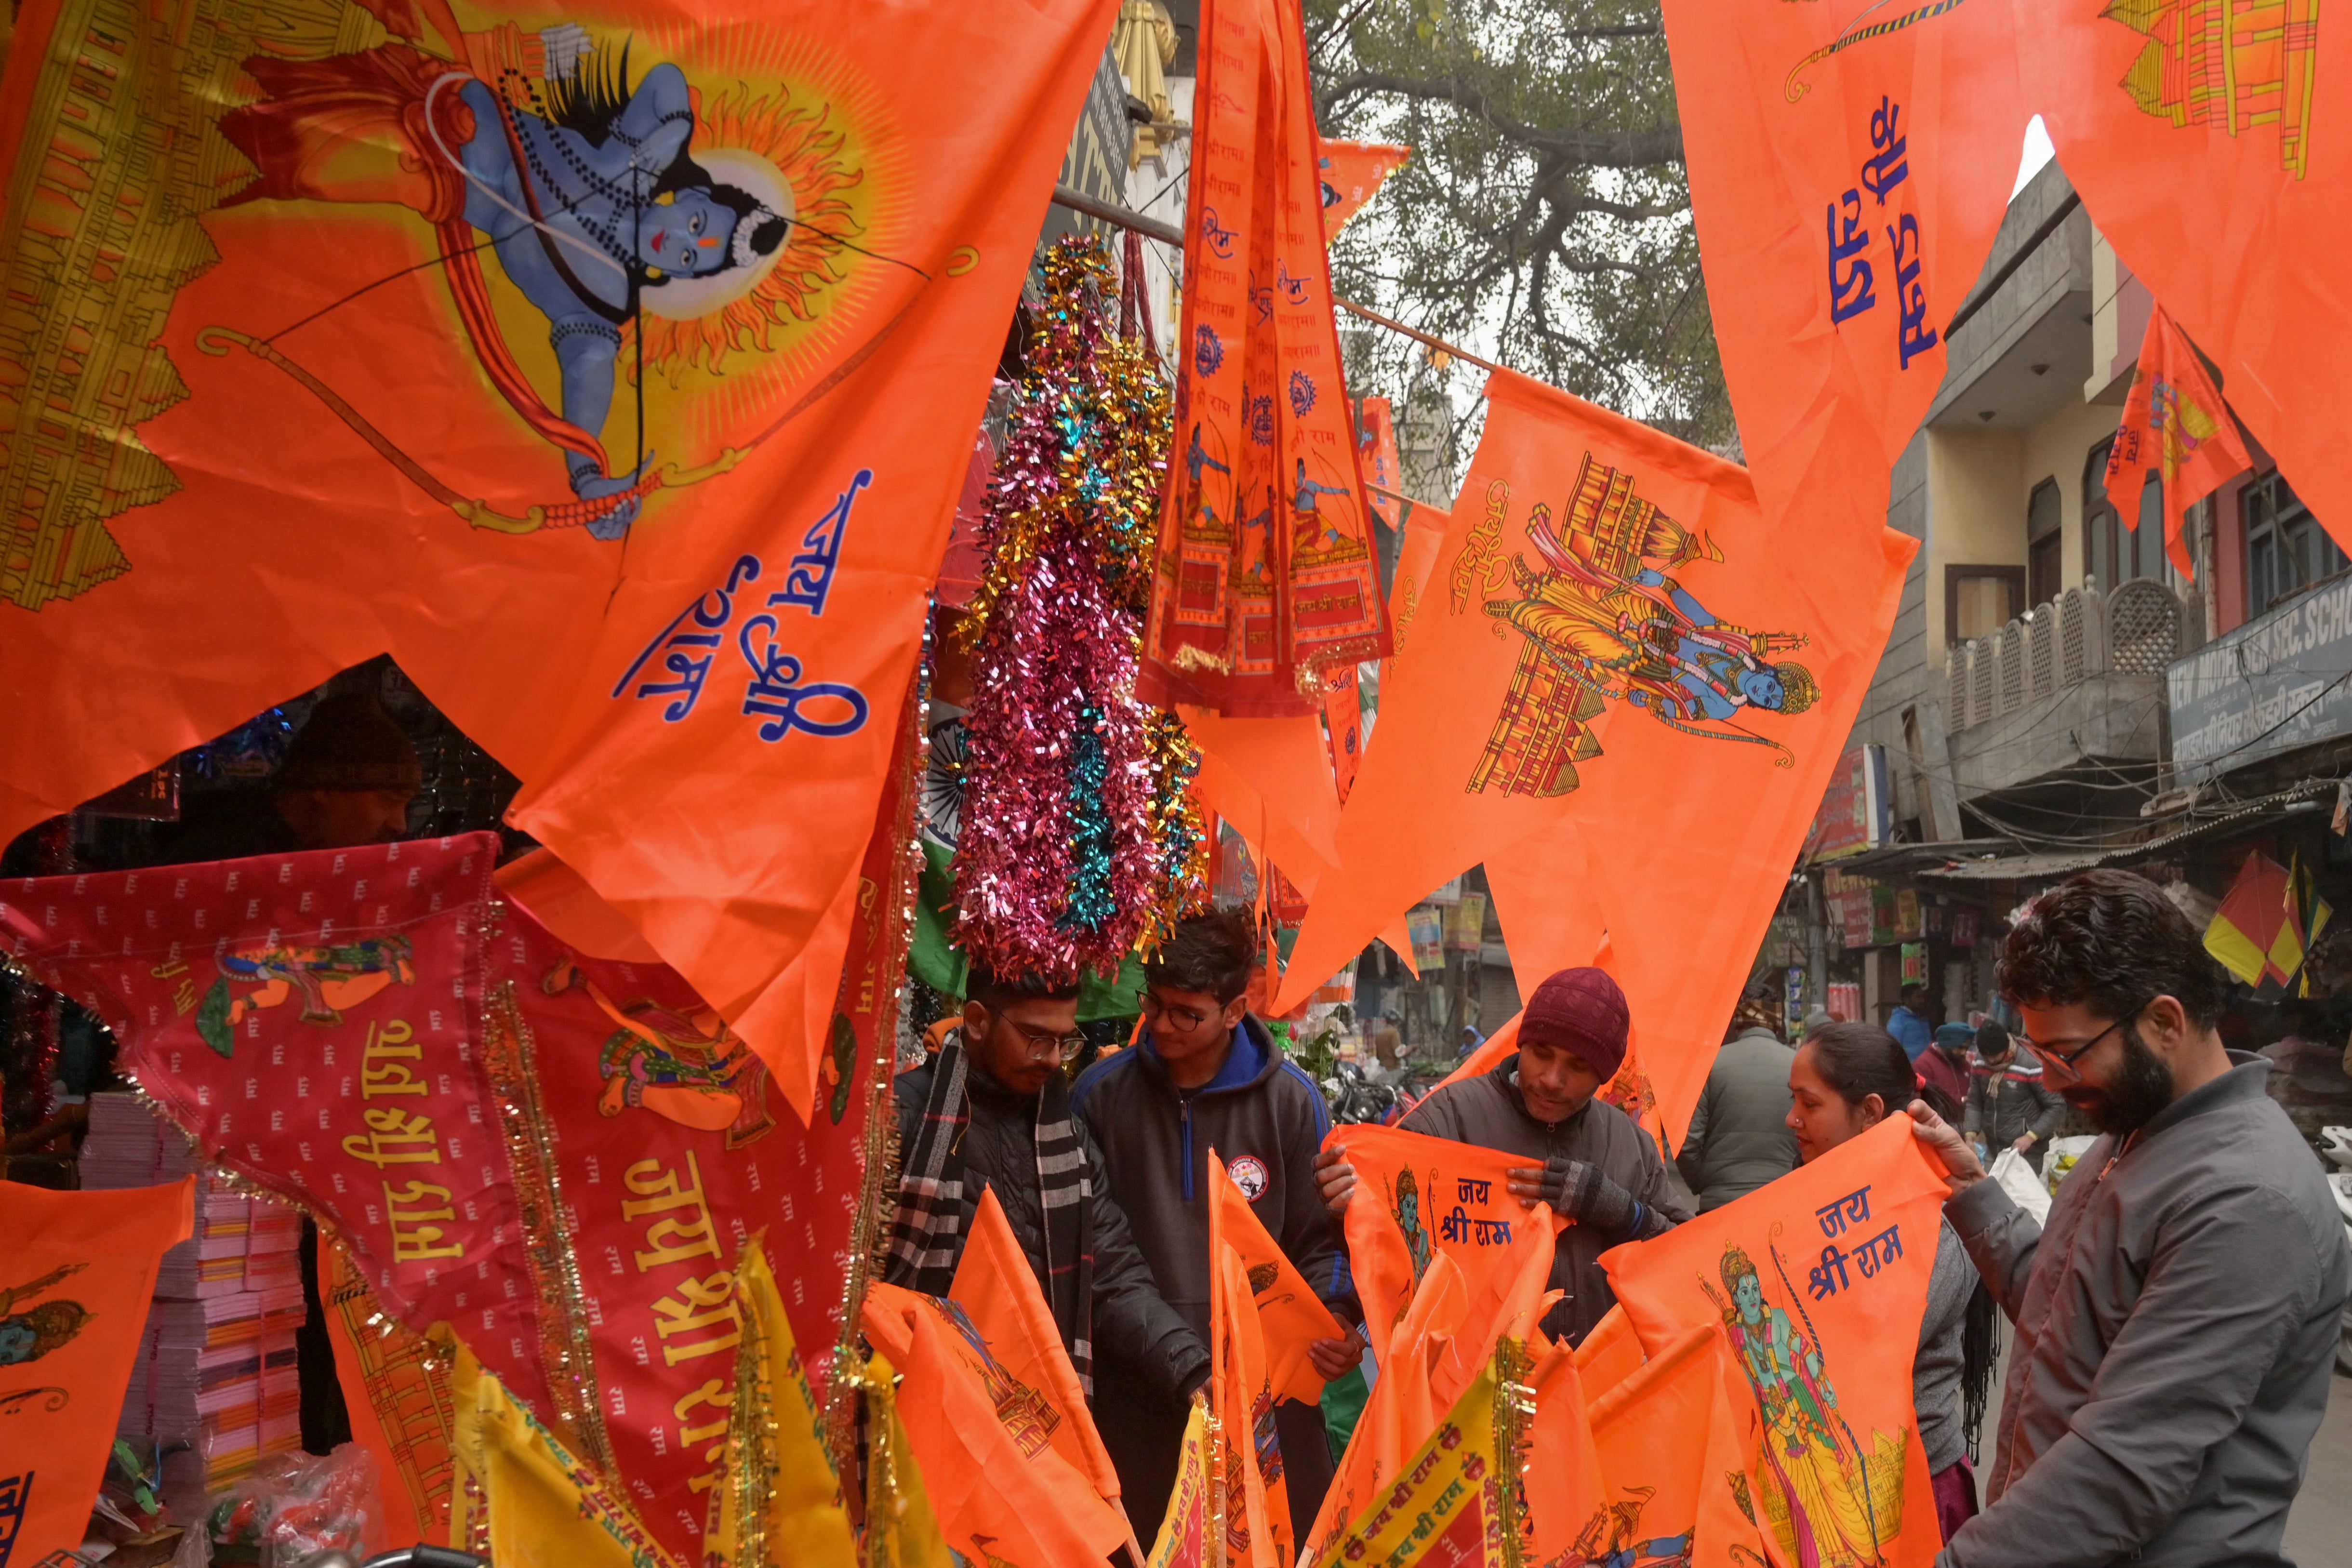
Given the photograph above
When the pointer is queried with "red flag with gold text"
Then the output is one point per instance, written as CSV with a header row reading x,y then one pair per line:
x,y
1264,572
612,366
2205,140
2175,422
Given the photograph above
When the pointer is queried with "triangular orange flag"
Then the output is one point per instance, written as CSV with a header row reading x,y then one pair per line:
x,y
1848,167
2176,423
2206,145
1818,1283
1351,172
998,1292
1291,1317
1669,1456
76,1272
984,1440
1611,1353
1264,574
1418,1198
1508,1303
1566,1489
1242,1394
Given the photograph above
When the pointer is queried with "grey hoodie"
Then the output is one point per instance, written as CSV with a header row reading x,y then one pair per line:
x,y
2176,1332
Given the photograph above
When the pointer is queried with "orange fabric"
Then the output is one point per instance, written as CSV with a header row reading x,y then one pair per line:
x,y
678,708
1291,1317
1351,172
1565,1487
1611,1353
559,898
1816,1284
2206,142
1375,452
2176,423
1343,725
1576,523
1265,572
1508,1303
983,1439
77,1270
1848,168
998,1292
1668,1443
1242,1396
402,1407
1418,1199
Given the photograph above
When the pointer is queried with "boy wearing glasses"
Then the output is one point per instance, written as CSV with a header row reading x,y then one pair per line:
x,y
992,1110
2176,1315
1207,1074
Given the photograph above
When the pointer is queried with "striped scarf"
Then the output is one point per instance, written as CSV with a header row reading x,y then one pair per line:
x,y
934,1207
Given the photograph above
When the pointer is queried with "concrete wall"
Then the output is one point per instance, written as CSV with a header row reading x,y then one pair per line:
x,y
2056,447
1978,504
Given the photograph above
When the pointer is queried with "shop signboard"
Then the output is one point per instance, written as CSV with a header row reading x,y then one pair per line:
x,y
1850,900
1425,926
1465,923
2276,683
1857,811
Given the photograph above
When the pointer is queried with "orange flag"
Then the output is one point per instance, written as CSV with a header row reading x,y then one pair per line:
x,y
1290,1316
1849,164
1618,637
1343,725
1419,1197
1667,1441
1351,172
1455,1505
998,1292
76,1272
615,372
1509,1303
2207,146
2176,423
1264,572
1611,1353
1565,1488
1185,1536
985,1440
1375,452
398,1391
1242,1394
1816,1284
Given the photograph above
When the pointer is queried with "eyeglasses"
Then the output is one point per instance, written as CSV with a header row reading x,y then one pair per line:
x,y
1064,1048
2060,1064
1183,1020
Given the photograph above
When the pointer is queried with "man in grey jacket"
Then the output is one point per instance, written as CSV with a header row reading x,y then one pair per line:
x,y
2177,1317
1738,1137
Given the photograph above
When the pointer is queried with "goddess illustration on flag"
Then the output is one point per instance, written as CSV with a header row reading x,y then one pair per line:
x,y
683,1065
1828,1502
1604,622
328,978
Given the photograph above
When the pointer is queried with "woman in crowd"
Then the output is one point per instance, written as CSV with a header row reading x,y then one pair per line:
x,y
1846,1079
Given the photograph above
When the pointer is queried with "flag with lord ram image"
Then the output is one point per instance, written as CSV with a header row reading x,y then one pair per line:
x,y
1815,1285
613,366
1616,643
1849,163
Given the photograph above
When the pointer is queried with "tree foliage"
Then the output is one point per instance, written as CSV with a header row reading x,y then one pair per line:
x,y
1543,217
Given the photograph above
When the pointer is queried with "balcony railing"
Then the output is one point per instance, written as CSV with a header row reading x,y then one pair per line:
x,y
2136,629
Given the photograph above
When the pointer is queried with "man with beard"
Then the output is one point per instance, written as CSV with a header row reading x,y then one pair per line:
x,y
2176,1315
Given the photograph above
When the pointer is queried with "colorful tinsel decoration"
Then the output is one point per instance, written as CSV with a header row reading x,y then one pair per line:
x,y
1063,862
1177,824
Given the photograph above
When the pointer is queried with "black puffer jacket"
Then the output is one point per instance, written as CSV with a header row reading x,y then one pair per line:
x,y
1131,1322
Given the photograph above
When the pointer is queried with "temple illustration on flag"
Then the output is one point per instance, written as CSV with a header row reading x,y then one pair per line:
x,y
2228,64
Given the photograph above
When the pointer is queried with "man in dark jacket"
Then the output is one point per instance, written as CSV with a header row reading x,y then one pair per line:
x,y
2176,1316
2008,1106
992,1110
1740,1138
1207,1075
1588,1160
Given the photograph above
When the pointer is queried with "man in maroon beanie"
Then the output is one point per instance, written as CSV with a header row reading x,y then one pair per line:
x,y
1588,1159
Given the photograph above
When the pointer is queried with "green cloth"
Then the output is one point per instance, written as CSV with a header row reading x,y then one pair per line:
x,y
937,962
1343,1402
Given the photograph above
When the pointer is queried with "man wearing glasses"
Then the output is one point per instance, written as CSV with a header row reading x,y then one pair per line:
x,y
992,1110
2176,1315
1207,1074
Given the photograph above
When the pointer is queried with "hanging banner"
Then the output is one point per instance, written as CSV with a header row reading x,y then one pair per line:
x,y
2175,422
1376,455
2203,142
1264,572
311,1021
1351,172
1618,637
1184,1535
779,1499
76,1272
1849,162
613,369
1816,1284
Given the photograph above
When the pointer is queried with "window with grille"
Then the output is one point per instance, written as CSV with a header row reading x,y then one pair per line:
x,y
2286,550
2111,552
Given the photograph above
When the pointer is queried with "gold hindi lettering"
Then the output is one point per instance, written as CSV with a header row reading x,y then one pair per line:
x,y
678,1238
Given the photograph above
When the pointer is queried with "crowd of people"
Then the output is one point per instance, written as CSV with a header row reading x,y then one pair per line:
x,y
2173,1342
